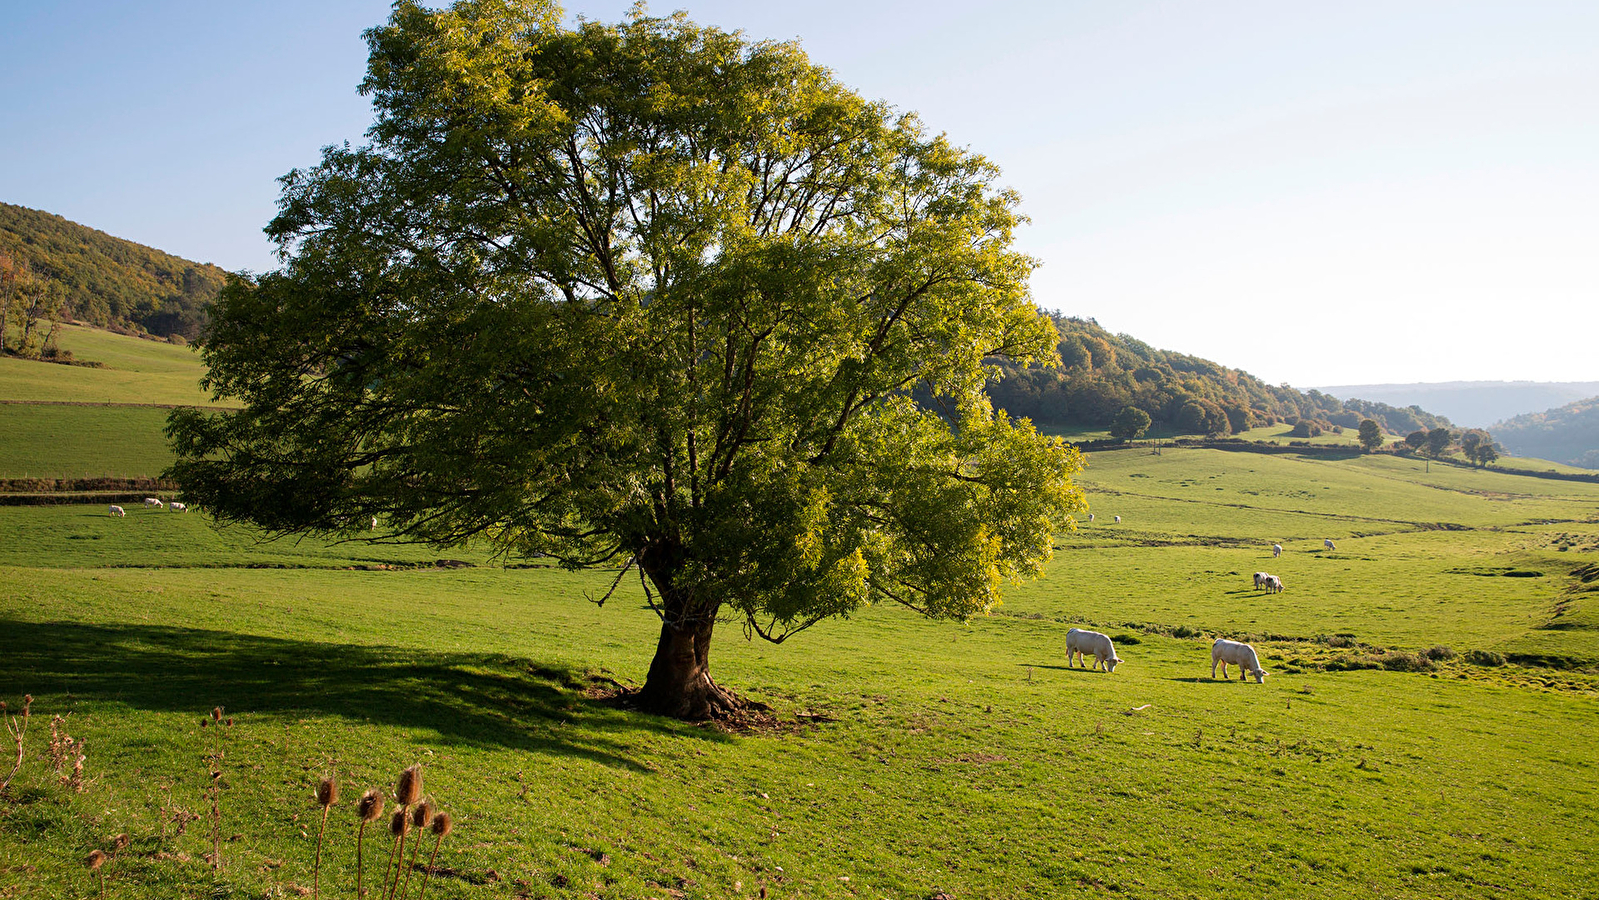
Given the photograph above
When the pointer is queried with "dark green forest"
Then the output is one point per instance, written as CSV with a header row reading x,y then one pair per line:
x,y
1102,373
1567,434
56,269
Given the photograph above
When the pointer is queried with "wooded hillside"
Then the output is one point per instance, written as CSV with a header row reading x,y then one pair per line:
x,y
1568,434
88,275
1102,373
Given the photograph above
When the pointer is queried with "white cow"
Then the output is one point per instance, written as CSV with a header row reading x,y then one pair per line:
x,y
118,511
1118,520
1273,584
1084,643
1260,580
1327,542
153,501
175,506
1276,550
374,524
1239,654
1090,517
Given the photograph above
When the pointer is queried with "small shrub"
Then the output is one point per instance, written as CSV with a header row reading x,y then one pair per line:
x,y
1439,653
1184,631
1485,658
1126,638
1339,640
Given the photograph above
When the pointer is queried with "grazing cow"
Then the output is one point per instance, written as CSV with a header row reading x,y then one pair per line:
x,y
118,511
1239,654
153,501
1090,517
1118,520
374,523
1327,542
1083,643
1276,550
1273,584
175,506
1260,580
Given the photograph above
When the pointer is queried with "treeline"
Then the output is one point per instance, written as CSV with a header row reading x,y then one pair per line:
x,y
53,270
1102,374
1567,434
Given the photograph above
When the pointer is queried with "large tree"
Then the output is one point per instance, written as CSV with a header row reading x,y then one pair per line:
x,y
1370,434
642,292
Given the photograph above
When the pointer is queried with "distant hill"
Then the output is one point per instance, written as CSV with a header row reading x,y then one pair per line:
x,y
1474,404
1101,373
106,281
1569,434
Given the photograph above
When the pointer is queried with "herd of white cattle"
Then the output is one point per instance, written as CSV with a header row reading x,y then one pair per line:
x,y
1082,643
152,503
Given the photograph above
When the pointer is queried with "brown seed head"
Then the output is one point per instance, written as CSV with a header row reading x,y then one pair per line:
x,y
216,713
370,805
95,860
443,824
399,823
230,721
327,793
409,789
422,815
204,722
120,841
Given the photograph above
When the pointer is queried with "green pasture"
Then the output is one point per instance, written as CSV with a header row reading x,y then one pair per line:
x,y
136,371
61,441
904,759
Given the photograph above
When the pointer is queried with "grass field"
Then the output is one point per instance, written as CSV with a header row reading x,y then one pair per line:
x,y
136,371
910,759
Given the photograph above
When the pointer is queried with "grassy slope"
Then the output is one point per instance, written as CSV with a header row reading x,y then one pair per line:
x,y
137,371
963,759
54,440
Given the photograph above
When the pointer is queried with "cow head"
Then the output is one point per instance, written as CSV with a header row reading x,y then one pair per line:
x,y
1110,664
1260,676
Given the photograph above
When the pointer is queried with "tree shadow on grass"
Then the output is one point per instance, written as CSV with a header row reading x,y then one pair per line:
x,y
1206,679
483,699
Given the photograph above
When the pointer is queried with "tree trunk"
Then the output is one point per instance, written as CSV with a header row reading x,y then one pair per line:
x,y
679,683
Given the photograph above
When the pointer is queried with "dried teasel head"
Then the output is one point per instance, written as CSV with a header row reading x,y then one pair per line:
x,y
370,806
327,792
443,824
121,841
409,790
229,723
399,823
216,713
95,860
422,815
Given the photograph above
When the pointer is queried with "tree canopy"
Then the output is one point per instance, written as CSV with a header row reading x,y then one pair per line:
x,y
642,292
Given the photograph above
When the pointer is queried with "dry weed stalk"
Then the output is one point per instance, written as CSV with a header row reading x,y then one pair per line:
x,y
96,862
421,818
399,824
17,727
370,808
442,825
213,760
327,794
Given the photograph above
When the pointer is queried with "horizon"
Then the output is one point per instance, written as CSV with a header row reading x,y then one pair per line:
x,y
1350,196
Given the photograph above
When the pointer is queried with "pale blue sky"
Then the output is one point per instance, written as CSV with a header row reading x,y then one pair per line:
x,y
1318,193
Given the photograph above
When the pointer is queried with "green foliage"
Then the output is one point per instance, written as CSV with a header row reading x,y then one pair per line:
x,y
106,281
1130,424
1102,373
1438,441
665,302
1416,439
1568,434
1370,435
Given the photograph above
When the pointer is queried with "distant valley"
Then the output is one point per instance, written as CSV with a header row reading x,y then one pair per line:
x,y
1472,404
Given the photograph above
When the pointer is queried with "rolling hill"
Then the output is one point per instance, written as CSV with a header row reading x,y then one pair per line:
x,y
1568,434
107,281
1474,404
